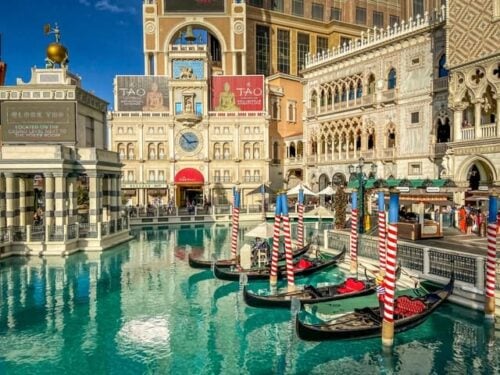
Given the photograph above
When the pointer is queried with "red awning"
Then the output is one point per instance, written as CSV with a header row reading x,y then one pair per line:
x,y
189,176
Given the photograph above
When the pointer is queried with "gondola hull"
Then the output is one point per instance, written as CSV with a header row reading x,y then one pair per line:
x,y
328,293
367,322
233,274
205,263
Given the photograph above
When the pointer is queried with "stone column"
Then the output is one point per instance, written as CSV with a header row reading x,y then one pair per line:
x,y
140,139
71,186
171,140
95,197
12,199
49,199
60,198
30,198
105,198
497,116
115,197
457,123
22,200
267,146
2,202
477,118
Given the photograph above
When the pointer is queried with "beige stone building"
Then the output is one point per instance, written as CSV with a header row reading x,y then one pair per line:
x,y
380,100
472,155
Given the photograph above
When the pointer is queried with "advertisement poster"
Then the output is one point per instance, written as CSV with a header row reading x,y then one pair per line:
x,y
198,6
38,122
237,93
141,93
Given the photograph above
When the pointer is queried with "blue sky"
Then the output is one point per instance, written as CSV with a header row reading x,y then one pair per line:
x,y
104,38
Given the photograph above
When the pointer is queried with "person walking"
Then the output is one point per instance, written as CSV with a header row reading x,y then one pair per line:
x,y
462,216
380,289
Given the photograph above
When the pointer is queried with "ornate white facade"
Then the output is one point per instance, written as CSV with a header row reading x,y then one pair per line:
x,y
380,98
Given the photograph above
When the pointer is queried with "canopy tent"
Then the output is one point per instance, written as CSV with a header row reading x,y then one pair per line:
x,y
262,189
321,212
327,191
295,190
263,230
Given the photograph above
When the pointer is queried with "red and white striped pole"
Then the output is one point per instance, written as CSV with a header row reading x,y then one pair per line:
x,y
390,270
288,243
236,224
382,235
354,232
300,226
489,304
276,242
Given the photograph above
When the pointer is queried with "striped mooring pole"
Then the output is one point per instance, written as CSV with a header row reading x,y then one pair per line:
x,y
235,224
273,278
300,225
382,235
489,304
390,270
288,243
354,233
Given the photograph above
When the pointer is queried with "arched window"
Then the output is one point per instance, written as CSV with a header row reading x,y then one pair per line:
x,y
474,178
391,79
344,94
217,151
151,152
121,150
300,149
226,151
359,90
391,139
256,151
329,97
336,97
442,71
371,84
130,151
314,99
161,151
275,151
247,151
371,141
291,150
322,99
351,92
443,131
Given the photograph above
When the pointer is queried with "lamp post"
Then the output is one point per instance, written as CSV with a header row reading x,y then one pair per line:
x,y
356,171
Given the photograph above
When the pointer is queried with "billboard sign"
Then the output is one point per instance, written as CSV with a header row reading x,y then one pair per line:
x,y
237,93
26,122
141,94
198,6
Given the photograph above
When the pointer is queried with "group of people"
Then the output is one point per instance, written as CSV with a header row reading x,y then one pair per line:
x,y
471,220
260,247
38,217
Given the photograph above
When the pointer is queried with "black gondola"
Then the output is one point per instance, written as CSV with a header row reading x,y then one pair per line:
x,y
205,263
310,294
409,312
314,264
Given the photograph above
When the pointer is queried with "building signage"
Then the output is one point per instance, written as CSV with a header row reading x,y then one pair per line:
x,y
141,93
237,93
198,6
143,185
483,188
403,189
32,121
432,189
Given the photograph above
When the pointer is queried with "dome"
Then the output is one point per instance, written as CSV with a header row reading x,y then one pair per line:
x,y
57,53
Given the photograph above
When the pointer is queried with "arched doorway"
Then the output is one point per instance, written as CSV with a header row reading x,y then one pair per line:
x,y
474,177
323,181
189,187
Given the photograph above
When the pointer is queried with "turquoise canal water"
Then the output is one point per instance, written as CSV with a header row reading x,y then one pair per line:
x,y
140,309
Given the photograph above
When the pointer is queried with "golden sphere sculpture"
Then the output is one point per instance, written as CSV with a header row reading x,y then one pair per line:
x,y
57,53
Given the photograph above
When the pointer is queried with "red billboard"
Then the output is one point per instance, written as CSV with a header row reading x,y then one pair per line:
x,y
237,93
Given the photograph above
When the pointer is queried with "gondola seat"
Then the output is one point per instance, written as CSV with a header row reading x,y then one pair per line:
x,y
302,264
406,306
351,285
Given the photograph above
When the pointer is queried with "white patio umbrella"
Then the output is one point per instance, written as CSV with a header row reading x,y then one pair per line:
x,y
321,212
295,190
263,230
327,191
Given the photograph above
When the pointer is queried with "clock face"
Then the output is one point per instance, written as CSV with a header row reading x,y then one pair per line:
x,y
189,141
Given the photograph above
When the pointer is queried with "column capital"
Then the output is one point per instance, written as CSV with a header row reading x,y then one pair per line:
x,y
9,174
48,175
94,174
60,174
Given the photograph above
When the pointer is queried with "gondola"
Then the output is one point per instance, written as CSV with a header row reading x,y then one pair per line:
x,y
409,312
351,287
205,263
303,266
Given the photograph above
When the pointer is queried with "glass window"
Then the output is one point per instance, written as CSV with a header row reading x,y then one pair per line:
x,y
302,50
361,16
291,113
415,117
418,8
321,44
391,79
277,5
298,7
335,14
443,72
284,51
262,50
256,3
378,19
317,11
393,20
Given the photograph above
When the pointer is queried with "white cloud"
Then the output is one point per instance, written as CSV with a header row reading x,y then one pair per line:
x,y
105,5
84,2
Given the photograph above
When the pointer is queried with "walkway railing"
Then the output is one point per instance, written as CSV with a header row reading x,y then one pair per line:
x,y
424,260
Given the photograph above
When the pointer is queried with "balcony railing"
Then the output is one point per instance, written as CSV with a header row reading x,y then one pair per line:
x,y
252,178
468,134
222,178
489,130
